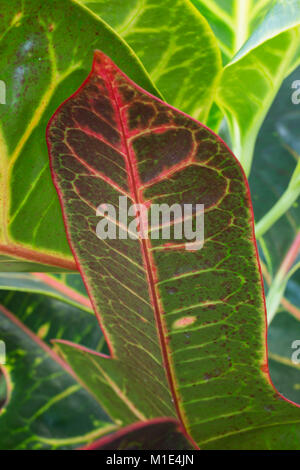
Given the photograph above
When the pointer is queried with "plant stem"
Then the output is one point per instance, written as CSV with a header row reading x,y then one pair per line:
x,y
286,304
290,257
281,279
247,154
282,205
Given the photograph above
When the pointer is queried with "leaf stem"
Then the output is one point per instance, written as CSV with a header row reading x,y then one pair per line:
x,y
290,257
287,199
286,304
284,273
247,154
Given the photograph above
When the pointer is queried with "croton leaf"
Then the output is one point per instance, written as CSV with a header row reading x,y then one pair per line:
x,y
250,82
50,318
175,44
186,328
45,54
156,434
233,21
276,154
66,287
45,407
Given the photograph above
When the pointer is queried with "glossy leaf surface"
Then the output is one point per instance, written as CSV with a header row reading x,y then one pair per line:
x,y
233,21
45,53
46,407
275,158
49,318
174,43
252,79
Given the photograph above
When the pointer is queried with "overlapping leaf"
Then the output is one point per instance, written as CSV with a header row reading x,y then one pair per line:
x,y
198,313
51,318
252,79
45,54
174,43
233,21
275,159
46,407
66,287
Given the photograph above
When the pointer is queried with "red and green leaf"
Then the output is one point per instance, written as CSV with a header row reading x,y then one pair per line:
x,y
186,329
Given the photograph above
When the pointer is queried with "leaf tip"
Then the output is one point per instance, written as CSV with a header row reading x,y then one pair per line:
x,y
101,61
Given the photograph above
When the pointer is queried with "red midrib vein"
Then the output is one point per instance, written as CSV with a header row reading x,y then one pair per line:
x,y
148,259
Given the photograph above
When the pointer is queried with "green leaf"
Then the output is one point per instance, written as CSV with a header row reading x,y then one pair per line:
x,y
157,434
66,287
198,313
45,53
287,200
275,159
283,16
251,81
233,21
46,407
50,318
175,44
9,263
